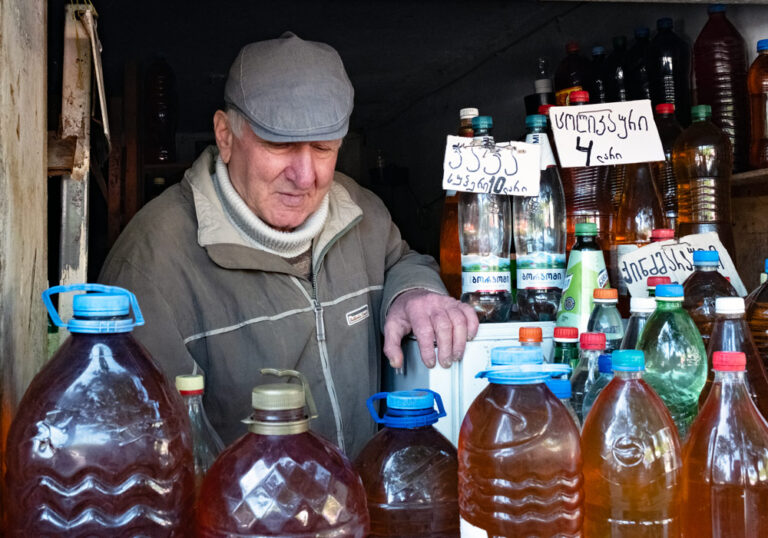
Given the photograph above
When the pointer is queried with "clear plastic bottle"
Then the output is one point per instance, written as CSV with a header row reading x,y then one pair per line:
x,y
561,388
100,445
614,71
605,374
638,83
597,86
641,309
571,75
724,481
450,251
753,294
654,281
662,234
669,70
409,469
702,287
605,318
702,163
663,171
519,458
280,479
757,80
632,460
566,347
206,443
530,337
485,236
586,373
539,223
586,271
720,71
731,333
675,358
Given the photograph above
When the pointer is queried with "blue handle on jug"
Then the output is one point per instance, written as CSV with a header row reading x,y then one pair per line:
x,y
138,319
383,395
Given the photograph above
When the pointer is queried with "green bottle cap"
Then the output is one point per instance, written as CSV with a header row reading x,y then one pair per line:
x,y
701,112
586,228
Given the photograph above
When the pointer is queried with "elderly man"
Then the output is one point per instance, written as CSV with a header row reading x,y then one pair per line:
x,y
263,256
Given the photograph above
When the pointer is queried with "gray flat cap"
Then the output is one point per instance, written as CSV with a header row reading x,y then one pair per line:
x,y
291,90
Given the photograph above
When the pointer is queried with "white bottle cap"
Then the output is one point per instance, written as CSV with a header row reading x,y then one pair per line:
x,y
729,305
642,304
189,383
468,113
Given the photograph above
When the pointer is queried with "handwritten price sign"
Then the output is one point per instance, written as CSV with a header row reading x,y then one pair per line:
x,y
606,133
510,168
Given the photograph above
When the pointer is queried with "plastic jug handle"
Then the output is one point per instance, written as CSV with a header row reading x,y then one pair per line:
x,y
382,395
304,384
138,318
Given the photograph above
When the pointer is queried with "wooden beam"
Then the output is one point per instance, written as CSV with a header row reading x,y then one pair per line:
x,y
61,154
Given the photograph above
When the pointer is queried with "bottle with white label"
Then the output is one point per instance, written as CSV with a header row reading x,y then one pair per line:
x,y
485,235
540,234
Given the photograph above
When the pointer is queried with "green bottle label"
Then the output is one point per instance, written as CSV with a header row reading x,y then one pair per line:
x,y
485,274
586,271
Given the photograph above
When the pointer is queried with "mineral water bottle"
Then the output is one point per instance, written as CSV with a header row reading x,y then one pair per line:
x,y
669,70
561,388
572,74
757,81
450,252
724,482
702,163
669,130
654,281
701,289
586,371
641,309
720,69
675,358
605,318
638,84
206,443
586,271
605,374
566,348
731,333
530,337
662,234
485,226
597,86
519,458
280,479
616,86
409,469
539,223
100,445
632,461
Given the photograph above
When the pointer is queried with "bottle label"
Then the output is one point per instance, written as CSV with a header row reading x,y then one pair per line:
x,y
485,274
616,253
541,139
540,271
467,530
562,96
586,271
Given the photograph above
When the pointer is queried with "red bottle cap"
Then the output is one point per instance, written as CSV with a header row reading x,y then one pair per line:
x,y
567,333
606,294
729,361
662,234
572,46
592,341
530,334
578,97
544,109
656,280
665,108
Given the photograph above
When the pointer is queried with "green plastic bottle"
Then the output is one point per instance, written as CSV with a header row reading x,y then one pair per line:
x,y
586,271
566,349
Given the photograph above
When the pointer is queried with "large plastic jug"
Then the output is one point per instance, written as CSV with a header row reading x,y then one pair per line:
x,y
101,443
519,458
280,479
409,469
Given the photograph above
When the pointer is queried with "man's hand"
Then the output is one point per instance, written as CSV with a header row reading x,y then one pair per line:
x,y
432,318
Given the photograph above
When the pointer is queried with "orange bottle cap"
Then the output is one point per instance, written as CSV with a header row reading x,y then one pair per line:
x,y
530,334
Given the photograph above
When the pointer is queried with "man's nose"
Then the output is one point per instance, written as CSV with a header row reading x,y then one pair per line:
x,y
301,170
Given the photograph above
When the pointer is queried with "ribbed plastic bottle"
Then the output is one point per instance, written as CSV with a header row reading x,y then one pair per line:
x,y
632,459
100,445
638,82
605,374
597,86
450,251
702,163
724,481
669,70
561,388
539,224
654,281
702,287
206,443
731,333
566,346
605,318
586,372
280,479
614,71
485,236
641,309
519,458
409,469
663,171
571,75
720,71
757,81
675,358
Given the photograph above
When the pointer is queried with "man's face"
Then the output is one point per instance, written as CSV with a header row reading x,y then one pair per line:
x,y
282,183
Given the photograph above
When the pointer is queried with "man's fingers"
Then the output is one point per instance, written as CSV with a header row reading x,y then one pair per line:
x,y
443,328
425,336
459,322
472,322
393,336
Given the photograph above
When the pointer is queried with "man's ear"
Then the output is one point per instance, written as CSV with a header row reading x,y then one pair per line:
x,y
224,135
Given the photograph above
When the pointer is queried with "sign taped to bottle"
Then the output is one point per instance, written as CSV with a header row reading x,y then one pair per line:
x,y
510,168
605,134
674,258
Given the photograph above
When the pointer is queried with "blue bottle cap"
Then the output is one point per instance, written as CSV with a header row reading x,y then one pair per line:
x,y
628,360
536,120
604,363
524,374
100,305
642,32
664,23
561,388
716,8
598,50
410,399
482,122
507,355
766,265
706,257
408,408
105,311
762,45
669,291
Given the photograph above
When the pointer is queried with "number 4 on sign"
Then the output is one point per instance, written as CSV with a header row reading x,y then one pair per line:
x,y
585,149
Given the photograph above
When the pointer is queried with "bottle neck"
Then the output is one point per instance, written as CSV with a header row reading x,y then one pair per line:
x,y
668,306
706,268
586,242
620,374
729,386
